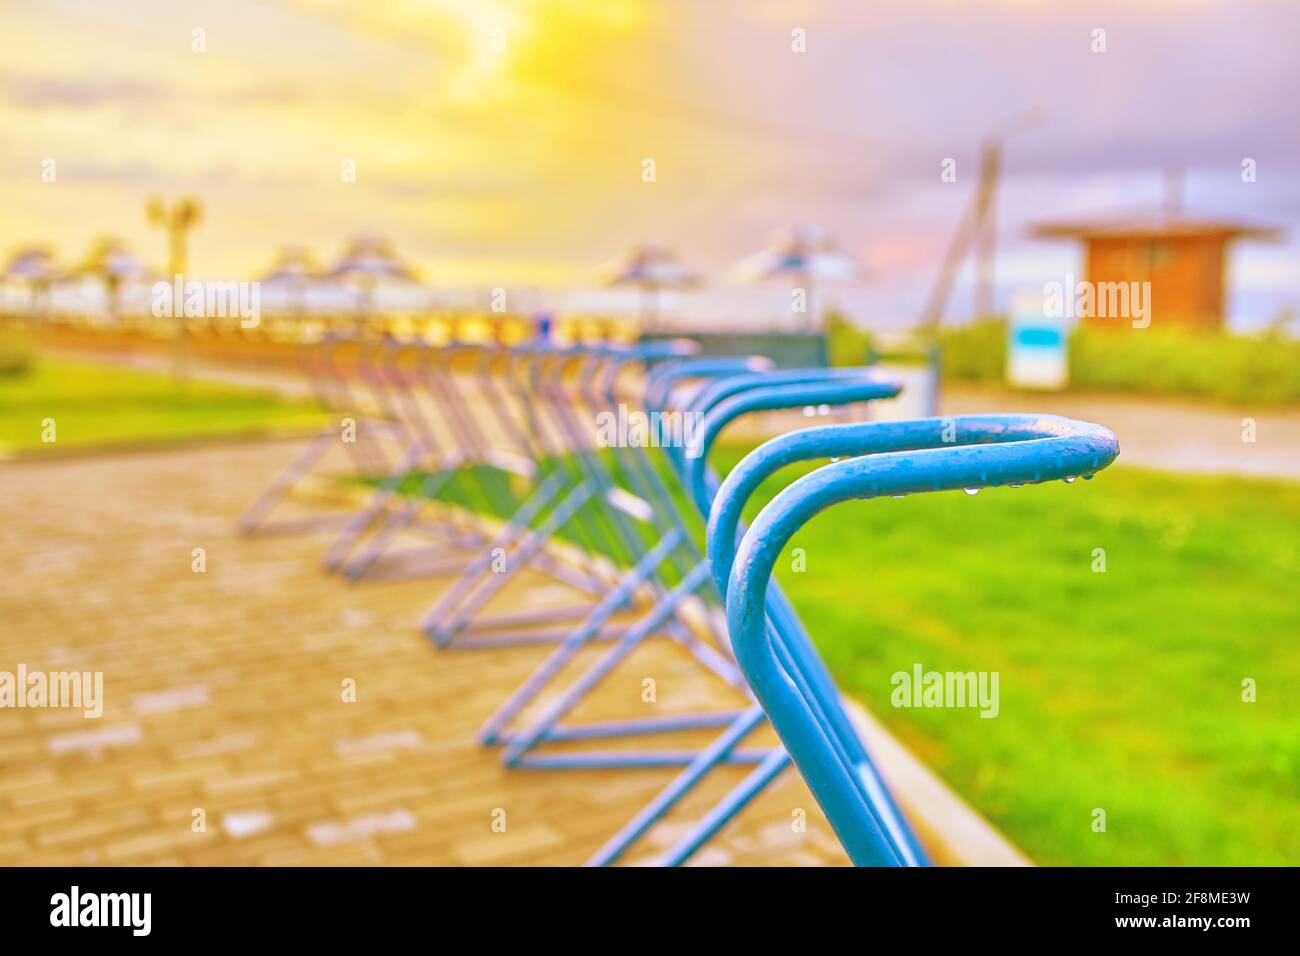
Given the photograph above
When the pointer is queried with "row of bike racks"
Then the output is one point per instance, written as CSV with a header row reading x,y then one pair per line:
x,y
489,458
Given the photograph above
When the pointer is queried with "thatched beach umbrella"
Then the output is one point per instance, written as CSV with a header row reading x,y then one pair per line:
x,y
651,266
31,264
806,256
368,264
291,274
113,264
32,268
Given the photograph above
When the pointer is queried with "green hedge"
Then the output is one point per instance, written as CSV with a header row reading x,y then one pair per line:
x,y
1263,368
847,345
17,353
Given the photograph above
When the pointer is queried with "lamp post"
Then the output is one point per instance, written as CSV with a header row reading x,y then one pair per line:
x,y
178,219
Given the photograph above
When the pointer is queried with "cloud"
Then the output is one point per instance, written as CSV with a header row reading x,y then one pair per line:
x,y
32,91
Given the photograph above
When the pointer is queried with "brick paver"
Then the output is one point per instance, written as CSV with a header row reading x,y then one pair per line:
x,y
223,694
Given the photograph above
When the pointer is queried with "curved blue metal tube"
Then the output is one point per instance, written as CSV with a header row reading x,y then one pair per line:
x,y
662,379
715,392
836,390
984,451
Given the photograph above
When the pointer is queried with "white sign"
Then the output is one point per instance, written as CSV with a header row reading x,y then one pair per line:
x,y
1037,347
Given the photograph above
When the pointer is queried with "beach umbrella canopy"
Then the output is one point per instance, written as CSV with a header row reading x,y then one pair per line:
x,y
33,269
293,265
110,259
651,265
34,264
112,267
806,256
293,281
372,274
806,252
370,259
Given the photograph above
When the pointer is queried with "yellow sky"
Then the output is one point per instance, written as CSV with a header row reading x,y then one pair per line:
x,y
485,135
522,165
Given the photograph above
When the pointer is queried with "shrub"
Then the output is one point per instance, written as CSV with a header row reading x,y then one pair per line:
x,y
846,343
1223,366
975,352
17,353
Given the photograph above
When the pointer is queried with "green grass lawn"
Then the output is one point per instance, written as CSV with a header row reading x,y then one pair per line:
x,y
1119,690
95,404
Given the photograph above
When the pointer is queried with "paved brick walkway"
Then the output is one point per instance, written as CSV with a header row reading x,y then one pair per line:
x,y
223,693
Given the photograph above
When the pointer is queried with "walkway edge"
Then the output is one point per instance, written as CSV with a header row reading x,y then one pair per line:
x,y
146,446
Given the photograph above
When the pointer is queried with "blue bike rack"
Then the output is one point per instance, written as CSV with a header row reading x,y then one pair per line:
x,y
463,418
520,745
969,452
730,399
672,544
334,383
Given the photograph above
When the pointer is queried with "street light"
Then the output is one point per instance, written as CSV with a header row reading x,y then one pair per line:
x,y
178,220
184,215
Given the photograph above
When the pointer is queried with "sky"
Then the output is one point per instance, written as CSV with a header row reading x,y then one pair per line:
x,y
503,143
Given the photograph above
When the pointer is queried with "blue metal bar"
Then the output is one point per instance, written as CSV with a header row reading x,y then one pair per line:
x,y
656,809
727,808
536,732
575,640
487,584
635,726
607,759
